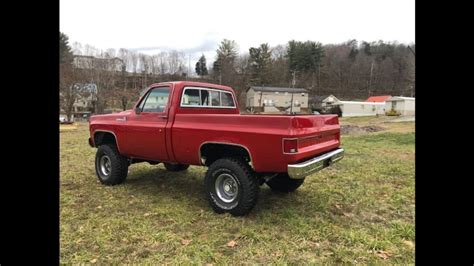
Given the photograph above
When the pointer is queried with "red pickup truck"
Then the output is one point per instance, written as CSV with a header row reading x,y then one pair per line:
x,y
191,123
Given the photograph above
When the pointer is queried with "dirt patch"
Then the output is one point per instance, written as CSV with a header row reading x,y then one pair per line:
x,y
352,129
402,119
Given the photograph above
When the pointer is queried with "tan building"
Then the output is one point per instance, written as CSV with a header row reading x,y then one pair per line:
x,y
276,99
91,62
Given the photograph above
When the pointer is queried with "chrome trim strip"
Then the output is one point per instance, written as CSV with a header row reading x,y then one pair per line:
x,y
303,169
283,145
224,143
107,131
207,106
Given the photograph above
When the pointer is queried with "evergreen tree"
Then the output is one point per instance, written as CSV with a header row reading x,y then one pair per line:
x,y
65,53
201,68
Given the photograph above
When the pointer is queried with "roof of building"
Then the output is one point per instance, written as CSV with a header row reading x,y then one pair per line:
x,y
378,99
317,98
356,102
277,89
400,98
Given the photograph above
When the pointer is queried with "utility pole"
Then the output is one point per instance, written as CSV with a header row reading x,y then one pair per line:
x,y
319,75
370,79
189,67
411,87
294,79
293,86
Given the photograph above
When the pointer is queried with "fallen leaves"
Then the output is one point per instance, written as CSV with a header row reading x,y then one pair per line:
x,y
383,254
277,254
93,260
409,243
232,244
185,242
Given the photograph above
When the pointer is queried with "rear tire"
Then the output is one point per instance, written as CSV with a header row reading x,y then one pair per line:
x,y
176,167
110,166
231,186
283,183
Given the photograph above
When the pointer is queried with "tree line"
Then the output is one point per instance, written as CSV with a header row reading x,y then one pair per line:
x,y
350,70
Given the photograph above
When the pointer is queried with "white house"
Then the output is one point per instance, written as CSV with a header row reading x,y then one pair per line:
x,y
351,108
276,99
403,105
321,102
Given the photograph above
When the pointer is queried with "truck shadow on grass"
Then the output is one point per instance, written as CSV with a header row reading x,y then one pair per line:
x,y
188,186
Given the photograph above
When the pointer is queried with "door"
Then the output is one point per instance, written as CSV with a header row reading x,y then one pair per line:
x,y
145,133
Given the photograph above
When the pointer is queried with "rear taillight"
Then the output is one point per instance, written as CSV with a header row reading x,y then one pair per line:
x,y
332,121
290,145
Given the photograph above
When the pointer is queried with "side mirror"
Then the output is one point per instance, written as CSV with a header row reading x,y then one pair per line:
x,y
137,110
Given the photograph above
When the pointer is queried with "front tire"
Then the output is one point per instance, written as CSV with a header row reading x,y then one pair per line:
x,y
176,167
283,183
231,186
110,166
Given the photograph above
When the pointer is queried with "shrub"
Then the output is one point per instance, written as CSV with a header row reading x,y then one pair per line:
x,y
392,112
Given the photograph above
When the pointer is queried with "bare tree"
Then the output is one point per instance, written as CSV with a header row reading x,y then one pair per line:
x,y
162,65
134,60
176,62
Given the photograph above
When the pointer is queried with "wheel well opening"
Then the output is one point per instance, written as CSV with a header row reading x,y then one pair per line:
x,y
101,138
211,152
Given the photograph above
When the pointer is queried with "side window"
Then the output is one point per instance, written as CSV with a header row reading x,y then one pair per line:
x,y
156,100
204,98
196,97
227,100
215,98
191,97
143,102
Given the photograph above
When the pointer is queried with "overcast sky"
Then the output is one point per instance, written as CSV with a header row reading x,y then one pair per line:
x,y
198,26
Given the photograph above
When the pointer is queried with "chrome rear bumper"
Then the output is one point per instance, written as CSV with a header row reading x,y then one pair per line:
x,y
303,169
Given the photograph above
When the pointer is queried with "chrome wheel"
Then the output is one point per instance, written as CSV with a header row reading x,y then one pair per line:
x,y
227,188
105,165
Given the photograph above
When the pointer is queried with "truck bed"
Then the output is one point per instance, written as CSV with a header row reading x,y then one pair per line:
x,y
261,134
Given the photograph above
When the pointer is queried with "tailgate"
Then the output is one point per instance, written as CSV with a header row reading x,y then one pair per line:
x,y
316,133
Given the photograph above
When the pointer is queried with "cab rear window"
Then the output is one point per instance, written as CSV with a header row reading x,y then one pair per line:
x,y
207,98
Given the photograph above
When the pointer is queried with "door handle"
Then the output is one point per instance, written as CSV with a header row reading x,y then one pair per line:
x,y
121,119
164,117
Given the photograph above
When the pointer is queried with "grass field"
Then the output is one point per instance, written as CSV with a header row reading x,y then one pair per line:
x,y
360,210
